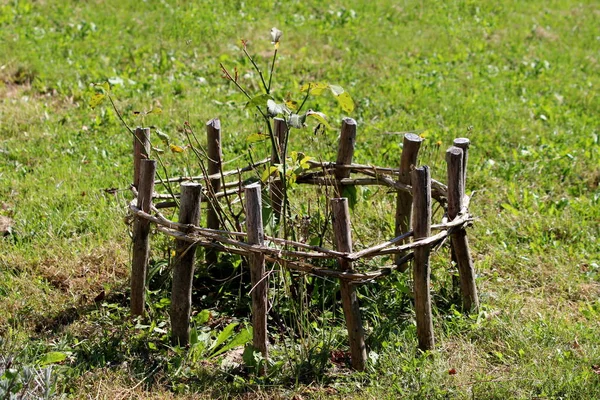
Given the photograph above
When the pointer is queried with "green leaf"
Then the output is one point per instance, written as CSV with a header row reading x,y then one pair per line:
x,y
224,335
268,172
256,137
155,110
52,358
162,136
316,88
240,339
343,98
97,99
319,116
203,317
350,193
106,87
259,101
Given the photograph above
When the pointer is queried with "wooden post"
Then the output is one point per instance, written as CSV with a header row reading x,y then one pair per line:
x,y
345,150
459,240
141,151
256,235
280,130
421,221
408,160
464,144
343,242
183,269
215,159
141,233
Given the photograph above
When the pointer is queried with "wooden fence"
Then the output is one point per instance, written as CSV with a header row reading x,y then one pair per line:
x,y
415,235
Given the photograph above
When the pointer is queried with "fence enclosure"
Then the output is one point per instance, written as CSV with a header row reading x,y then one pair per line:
x,y
415,234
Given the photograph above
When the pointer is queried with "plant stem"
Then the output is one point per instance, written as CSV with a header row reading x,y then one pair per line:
x,y
271,72
267,88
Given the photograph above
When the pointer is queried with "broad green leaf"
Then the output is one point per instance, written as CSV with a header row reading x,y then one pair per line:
x,y
259,101
225,334
256,137
202,317
97,99
162,136
53,357
106,87
350,193
268,172
343,98
296,121
240,339
319,116
193,336
176,149
316,88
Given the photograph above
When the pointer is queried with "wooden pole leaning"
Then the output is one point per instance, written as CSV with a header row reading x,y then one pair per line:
x,y
343,243
256,235
183,268
408,160
141,151
345,151
141,237
421,221
215,161
459,240
280,130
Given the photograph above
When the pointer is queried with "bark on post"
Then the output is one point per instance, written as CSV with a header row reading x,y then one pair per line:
x,y
421,221
141,241
215,160
345,150
256,235
408,160
459,240
277,154
141,151
343,242
183,269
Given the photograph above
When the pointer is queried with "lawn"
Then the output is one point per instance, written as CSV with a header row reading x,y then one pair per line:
x,y
519,79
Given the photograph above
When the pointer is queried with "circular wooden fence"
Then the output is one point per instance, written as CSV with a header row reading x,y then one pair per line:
x,y
416,236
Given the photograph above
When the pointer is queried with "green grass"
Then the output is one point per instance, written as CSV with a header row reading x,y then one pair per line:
x,y
520,79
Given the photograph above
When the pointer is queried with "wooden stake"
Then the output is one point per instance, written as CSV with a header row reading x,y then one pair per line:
x,y
141,242
215,160
421,221
345,150
343,243
256,235
183,269
141,151
464,144
459,240
276,188
408,160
